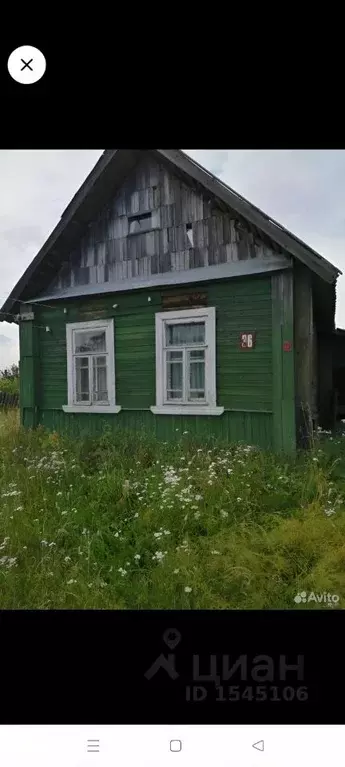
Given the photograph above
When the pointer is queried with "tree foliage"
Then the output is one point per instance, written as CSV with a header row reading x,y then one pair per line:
x,y
9,379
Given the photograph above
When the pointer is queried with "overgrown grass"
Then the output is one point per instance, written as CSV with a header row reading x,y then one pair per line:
x,y
130,522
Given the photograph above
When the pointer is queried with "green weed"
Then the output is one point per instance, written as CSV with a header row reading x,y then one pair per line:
x,y
131,522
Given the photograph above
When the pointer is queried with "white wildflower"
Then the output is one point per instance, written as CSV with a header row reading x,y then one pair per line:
x,y
187,589
159,555
8,562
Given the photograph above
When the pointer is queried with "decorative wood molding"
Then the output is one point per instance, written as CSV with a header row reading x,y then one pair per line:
x,y
208,315
186,410
91,409
187,300
108,325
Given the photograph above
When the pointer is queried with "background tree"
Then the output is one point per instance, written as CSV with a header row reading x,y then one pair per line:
x,y
9,379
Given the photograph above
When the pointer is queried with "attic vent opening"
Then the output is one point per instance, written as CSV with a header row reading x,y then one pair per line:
x,y
189,230
140,223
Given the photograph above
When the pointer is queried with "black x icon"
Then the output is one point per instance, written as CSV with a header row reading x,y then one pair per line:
x,y
26,64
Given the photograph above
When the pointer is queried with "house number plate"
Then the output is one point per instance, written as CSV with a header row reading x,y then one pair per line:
x,y
247,340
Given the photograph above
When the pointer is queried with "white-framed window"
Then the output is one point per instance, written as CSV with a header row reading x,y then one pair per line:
x,y
186,362
91,367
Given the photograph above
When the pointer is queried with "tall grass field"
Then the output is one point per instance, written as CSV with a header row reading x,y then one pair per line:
x,y
128,522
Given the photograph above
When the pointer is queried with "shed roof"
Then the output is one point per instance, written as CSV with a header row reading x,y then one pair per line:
x,y
105,178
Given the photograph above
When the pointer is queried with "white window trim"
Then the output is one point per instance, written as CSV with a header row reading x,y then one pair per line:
x,y
210,407
74,407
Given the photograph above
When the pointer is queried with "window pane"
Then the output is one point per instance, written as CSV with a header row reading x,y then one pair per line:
x,y
197,375
174,394
196,378
174,375
185,333
89,341
174,379
174,356
82,379
100,390
198,354
195,394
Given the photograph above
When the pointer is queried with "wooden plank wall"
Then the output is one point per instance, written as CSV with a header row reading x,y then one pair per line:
x,y
244,378
107,253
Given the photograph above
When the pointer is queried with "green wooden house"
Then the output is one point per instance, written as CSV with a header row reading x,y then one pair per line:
x,y
164,300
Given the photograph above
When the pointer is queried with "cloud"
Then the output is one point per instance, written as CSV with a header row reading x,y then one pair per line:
x,y
35,188
9,351
303,189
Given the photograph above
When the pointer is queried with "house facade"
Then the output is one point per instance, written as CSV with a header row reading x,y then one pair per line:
x,y
165,301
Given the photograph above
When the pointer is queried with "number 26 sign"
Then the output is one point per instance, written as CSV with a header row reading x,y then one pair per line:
x,y
247,340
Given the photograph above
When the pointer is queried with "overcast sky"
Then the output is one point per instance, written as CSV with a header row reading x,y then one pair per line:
x,y
302,189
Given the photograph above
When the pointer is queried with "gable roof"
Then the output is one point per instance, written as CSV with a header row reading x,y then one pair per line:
x,y
105,178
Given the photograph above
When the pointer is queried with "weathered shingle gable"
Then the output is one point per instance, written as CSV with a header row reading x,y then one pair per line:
x,y
187,231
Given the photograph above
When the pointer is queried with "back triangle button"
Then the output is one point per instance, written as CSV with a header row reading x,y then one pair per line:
x,y
259,745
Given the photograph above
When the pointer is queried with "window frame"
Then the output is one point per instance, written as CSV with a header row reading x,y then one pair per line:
x,y
199,407
89,407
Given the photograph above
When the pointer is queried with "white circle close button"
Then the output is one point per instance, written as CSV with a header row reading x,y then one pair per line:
x,y
26,64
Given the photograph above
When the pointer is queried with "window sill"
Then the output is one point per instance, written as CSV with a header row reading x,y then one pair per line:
x,y
91,408
186,410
